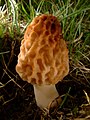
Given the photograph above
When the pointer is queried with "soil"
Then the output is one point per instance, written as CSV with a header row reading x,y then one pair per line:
x,y
17,100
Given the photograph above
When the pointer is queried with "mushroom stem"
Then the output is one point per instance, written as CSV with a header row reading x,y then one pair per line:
x,y
45,94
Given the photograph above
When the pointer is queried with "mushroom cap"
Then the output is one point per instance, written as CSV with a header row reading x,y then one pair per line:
x,y
43,57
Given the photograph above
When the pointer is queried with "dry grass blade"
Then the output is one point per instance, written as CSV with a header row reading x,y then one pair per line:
x,y
77,39
5,102
87,97
4,52
11,79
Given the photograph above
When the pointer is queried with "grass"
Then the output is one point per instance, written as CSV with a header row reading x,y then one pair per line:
x,y
74,17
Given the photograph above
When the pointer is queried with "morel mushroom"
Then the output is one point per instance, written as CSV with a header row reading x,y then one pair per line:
x,y
43,59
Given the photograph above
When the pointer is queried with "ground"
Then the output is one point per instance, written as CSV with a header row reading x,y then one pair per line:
x,y
17,100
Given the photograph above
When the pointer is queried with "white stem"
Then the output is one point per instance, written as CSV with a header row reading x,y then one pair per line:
x,y
45,94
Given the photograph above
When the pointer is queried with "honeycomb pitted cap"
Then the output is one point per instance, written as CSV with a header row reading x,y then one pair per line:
x,y
43,57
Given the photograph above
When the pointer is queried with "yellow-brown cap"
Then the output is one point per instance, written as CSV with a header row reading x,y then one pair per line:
x,y
43,57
